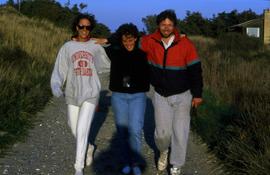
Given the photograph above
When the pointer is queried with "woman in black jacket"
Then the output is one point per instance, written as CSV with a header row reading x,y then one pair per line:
x,y
129,80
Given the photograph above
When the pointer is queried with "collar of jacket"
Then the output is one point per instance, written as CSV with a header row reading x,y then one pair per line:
x,y
157,35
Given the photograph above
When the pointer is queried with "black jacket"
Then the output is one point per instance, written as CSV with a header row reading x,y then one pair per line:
x,y
129,70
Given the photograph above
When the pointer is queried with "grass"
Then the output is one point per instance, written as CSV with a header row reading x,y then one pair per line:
x,y
235,117
28,49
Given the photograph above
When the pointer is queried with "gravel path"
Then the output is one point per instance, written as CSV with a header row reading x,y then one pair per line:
x,y
50,147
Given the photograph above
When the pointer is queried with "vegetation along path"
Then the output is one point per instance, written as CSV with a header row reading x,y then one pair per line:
x,y
50,146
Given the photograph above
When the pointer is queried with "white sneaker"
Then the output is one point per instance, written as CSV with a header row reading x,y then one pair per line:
x,y
136,170
126,169
78,172
163,160
89,156
175,171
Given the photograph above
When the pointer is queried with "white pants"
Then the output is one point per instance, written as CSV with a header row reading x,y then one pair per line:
x,y
79,120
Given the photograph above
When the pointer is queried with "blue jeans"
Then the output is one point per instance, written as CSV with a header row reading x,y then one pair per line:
x,y
129,110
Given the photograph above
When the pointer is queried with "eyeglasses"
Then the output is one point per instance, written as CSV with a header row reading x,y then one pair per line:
x,y
84,27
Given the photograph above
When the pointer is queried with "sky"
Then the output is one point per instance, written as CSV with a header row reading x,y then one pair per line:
x,y
116,12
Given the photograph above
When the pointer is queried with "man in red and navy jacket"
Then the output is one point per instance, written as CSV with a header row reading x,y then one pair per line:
x,y
176,75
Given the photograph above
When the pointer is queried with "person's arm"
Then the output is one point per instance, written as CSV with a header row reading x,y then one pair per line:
x,y
59,73
102,61
110,44
195,75
112,40
101,41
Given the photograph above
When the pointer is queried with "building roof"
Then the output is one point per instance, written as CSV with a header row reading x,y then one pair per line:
x,y
255,22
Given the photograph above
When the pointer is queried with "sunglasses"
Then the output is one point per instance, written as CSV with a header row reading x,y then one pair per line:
x,y
84,27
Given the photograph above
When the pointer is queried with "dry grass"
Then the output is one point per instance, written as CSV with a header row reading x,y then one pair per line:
x,y
38,38
235,118
28,48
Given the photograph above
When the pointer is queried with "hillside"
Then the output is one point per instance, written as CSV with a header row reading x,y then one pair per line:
x,y
28,49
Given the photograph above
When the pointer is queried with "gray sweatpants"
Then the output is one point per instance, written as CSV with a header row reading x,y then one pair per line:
x,y
172,119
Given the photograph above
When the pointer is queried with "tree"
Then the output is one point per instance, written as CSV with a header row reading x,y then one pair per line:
x,y
67,4
247,15
195,24
10,3
82,6
101,31
61,16
150,23
219,23
224,20
19,5
75,9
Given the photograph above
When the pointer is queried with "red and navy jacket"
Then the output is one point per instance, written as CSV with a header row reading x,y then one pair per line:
x,y
173,70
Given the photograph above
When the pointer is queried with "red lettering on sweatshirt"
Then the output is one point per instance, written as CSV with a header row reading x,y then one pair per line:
x,y
82,61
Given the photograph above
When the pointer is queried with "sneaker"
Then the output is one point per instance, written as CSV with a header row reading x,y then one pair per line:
x,y
126,169
89,157
136,170
163,160
78,172
175,171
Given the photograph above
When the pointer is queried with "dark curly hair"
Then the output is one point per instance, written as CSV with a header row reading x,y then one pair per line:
x,y
127,29
170,14
77,19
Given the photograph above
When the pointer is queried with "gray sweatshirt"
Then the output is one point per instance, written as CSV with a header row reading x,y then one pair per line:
x,y
77,66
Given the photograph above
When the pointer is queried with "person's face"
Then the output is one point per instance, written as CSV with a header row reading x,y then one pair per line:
x,y
129,42
83,28
166,27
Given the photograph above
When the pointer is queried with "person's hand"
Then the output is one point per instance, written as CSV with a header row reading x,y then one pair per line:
x,y
100,41
196,102
57,92
74,38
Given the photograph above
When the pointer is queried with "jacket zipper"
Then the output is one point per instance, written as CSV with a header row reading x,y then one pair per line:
x,y
165,54
165,58
165,51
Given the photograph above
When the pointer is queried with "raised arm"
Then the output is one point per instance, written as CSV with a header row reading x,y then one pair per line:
x,y
102,61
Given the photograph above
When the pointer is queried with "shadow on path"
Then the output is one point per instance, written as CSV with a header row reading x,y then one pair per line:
x,y
110,161
149,128
100,115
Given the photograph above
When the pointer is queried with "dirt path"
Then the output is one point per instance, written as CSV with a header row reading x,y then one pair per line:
x,y
50,147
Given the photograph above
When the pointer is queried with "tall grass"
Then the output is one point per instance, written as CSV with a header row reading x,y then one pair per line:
x,y
235,118
28,49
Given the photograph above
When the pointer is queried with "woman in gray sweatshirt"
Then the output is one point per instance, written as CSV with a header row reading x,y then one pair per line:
x,y
76,71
